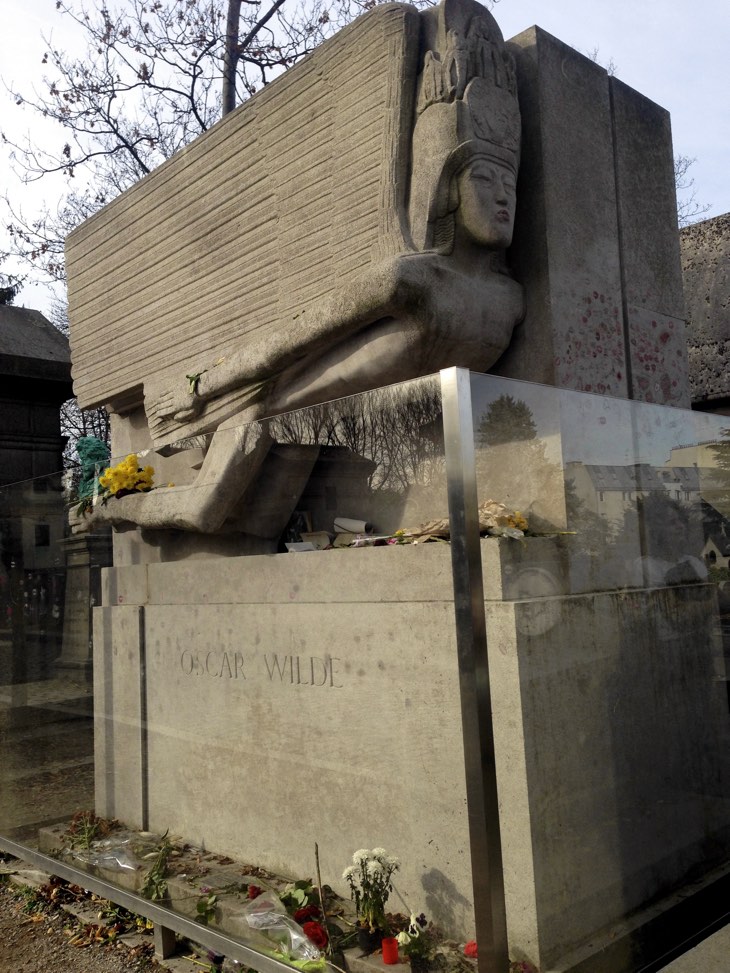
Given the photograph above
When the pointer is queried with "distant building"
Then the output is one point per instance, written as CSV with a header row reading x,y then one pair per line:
x,y
35,379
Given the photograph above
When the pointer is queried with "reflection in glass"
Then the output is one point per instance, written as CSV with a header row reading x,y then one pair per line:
x,y
609,646
618,659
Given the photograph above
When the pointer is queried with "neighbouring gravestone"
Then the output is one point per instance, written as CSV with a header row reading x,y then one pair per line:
x,y
706,267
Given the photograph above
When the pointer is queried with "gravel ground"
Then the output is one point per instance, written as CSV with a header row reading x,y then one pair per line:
x,y
40,942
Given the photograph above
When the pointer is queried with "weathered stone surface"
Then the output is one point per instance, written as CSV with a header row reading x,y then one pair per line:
x,y
264,678
706,268
650,264
566,249
321,276
595,234
611,736
119,758
316,696
31,347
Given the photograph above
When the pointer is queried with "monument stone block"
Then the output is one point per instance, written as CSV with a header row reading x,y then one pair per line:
x,y
650,262
588,808
595,234
305,697
119,715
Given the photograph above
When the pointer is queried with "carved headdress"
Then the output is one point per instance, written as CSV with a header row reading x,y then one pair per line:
x,y
466,108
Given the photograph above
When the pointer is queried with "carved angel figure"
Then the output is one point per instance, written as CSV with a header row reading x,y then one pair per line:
x,y
446,299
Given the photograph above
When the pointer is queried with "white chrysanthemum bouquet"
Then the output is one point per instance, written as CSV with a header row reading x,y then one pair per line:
x,y
370,880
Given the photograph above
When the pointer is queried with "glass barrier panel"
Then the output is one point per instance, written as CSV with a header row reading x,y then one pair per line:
x,y
258,675
608,598
213,716
46,738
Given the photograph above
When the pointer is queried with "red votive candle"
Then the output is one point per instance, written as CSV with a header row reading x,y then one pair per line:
x,y
390,951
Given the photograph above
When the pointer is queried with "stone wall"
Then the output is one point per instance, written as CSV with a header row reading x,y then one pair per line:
x,y
706,268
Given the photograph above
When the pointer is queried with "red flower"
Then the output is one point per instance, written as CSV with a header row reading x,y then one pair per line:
x,y
471,949
254,891
314,932
305,913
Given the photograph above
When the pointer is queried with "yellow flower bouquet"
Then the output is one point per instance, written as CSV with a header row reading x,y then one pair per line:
x,y
125,478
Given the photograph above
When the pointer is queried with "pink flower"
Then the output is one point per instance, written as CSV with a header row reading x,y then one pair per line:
x,y
470,949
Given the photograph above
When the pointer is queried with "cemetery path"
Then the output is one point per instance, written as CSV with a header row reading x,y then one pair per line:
x,y
37,943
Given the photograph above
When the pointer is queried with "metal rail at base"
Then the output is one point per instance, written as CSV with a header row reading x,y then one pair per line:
x,y
166,922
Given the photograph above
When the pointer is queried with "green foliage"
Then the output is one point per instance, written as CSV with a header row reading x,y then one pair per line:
x,y
299,894
155,883
719,574
370,878
206,908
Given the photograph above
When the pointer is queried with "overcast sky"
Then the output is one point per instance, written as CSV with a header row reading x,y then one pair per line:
x,y
673,51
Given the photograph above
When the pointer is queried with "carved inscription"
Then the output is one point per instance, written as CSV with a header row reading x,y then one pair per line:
x,y
221,665
290,670
307,671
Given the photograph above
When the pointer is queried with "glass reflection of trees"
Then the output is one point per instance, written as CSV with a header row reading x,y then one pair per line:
x,y
397,428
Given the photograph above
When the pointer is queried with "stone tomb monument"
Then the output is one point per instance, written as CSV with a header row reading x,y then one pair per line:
x,y
347,228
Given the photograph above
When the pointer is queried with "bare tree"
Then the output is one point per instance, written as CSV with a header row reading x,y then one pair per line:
x,y
689,210
149,82
76,422
152,77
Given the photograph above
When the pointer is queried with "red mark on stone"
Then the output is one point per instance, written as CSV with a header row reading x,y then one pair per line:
x,y
664,337
595,294
584,319
653,324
